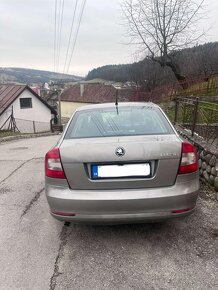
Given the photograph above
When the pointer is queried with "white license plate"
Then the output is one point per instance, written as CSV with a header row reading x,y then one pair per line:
x,y
124,170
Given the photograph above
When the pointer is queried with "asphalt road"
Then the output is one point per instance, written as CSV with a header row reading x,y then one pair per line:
x,y
38,252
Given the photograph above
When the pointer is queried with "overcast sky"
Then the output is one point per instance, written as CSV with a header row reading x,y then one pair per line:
x,y
27,34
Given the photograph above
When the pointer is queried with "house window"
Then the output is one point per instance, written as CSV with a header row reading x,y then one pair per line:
x,y
25,103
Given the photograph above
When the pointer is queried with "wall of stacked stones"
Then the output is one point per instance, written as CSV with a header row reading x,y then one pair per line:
x,y
208,158
208,166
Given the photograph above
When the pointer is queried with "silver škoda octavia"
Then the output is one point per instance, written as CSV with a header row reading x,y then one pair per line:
x,y
121,164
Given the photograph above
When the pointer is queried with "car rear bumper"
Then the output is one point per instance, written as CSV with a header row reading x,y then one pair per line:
x,y
123,206
122,218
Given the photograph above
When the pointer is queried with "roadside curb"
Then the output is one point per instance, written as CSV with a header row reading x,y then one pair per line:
x,y
18,137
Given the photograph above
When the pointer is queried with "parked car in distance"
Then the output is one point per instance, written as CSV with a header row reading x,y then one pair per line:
x,y
121,164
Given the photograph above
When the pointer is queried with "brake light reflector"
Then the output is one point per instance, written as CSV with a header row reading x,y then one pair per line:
x,y
53,166
182,210
189,160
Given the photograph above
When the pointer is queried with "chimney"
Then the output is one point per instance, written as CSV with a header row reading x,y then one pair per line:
x,y
82,87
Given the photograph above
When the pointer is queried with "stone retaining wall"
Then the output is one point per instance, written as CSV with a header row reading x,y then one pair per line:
x,y
208,158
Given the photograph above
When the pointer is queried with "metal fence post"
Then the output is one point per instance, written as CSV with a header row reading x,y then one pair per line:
x,y
59,107
51,128
195,116
34,127
184,114
176,111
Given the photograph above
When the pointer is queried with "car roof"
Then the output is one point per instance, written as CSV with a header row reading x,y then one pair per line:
x,y
121,104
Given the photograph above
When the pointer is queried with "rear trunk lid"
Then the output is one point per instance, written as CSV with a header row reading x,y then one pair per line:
x,y
162,152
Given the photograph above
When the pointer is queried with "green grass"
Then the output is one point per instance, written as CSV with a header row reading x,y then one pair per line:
x,y
5,133
168,109
204,88
207,113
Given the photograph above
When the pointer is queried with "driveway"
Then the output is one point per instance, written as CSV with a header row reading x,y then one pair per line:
x,y
38,252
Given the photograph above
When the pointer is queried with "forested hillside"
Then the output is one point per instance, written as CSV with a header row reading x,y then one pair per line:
x,y
29,76
192,62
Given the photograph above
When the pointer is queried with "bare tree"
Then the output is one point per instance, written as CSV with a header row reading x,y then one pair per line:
x,y
163,27
208,59
148,75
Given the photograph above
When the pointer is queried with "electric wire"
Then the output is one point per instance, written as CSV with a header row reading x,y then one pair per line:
x,y
70,36
61,12
76,35
55,34
58,29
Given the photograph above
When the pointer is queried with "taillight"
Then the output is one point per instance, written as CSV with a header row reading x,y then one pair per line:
x,y
53,166
189,159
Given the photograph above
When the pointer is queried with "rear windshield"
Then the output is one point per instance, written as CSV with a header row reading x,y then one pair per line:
x,y
124,121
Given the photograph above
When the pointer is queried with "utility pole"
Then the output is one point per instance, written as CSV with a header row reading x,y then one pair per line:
x,y
59,107
58,89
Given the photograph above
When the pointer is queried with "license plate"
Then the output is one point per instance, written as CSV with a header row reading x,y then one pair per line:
x,y
124,170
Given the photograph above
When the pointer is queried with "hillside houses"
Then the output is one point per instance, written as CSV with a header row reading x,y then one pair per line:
x,y
91,93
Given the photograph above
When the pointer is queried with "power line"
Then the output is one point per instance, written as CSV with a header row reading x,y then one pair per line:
x,y
55,34
60,22
58,29
76,35
70,36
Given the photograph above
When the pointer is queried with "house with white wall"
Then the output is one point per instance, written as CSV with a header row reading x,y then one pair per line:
x,y
28,110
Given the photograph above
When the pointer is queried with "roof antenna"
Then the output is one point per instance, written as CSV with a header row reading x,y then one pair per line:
x,y
116,101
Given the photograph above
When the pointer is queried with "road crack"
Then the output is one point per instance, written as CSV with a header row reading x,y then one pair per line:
x,y
33,200
15,170
63,240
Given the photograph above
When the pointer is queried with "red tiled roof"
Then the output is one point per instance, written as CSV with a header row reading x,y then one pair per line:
x,y
9,93
96,93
